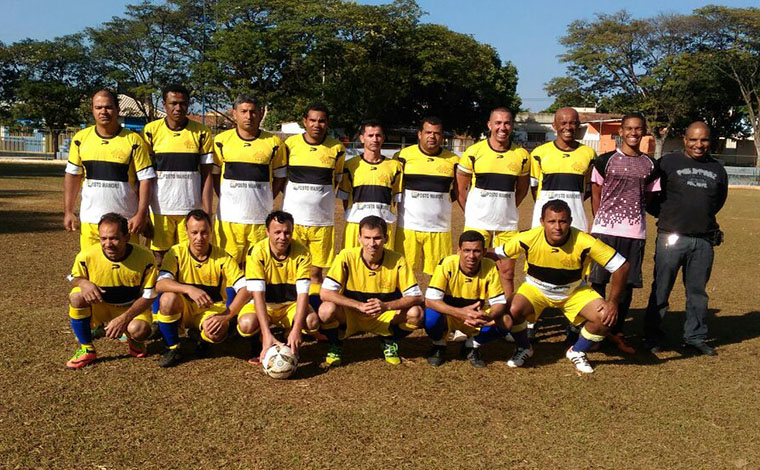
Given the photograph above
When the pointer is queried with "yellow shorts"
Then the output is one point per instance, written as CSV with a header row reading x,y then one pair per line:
x,y
320,241
351,239
571,307
168,230
494,238
357,322
236,238
282,315
431,246
89,236
104,312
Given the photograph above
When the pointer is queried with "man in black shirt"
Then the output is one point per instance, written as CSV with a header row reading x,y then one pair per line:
x,y
694,189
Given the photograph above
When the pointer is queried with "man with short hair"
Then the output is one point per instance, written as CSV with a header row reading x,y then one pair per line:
x,y
113,284
694,189
277,275
465,294
112,166
492,180
252,167
370,289
622,181
556,258
314,169
193,281
424,213
371,184
182,153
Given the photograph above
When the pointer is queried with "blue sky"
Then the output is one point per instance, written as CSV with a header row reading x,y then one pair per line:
x,y
525,32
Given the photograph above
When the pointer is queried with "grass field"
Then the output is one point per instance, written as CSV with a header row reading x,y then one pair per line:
x,y
678,412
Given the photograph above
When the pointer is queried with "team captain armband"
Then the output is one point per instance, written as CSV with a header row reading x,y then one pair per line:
x,y
615,263
413,291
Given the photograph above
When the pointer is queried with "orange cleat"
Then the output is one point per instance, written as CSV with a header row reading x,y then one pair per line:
x,y
83,357
136,348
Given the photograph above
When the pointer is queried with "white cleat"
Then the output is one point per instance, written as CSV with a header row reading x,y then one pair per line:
x,y
457,336
519,357
580,361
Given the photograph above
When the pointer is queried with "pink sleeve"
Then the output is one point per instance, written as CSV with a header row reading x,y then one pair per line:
x,y
596,177
653,187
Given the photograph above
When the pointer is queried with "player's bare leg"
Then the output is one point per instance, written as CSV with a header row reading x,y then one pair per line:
x,y
519,311
331,317
593,332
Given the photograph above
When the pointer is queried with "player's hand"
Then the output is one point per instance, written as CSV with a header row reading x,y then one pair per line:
x,y
137,223
265,345
69,222
215,323
294,340
609,311
377,306
370,309
117,327
200,297
90,292
475,316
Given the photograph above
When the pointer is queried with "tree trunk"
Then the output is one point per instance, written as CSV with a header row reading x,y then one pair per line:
x,y
54,134
660,136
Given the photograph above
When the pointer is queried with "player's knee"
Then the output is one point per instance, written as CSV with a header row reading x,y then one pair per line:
x,y
517,314
415,316
216,338
327,312
138,330
168,303
77,301
248,324
312,321
596,328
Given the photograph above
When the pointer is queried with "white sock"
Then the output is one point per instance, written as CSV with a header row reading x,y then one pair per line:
x,y
471,343
439,342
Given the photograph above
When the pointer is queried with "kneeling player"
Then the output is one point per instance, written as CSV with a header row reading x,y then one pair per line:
x,y
113,283
277,271
370,289
456,300
192,281
557,255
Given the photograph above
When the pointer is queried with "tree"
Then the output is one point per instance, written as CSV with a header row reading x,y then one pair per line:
x,y
53,78
567,91
730,41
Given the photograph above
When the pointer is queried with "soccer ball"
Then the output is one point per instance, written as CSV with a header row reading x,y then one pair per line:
x,y
279,362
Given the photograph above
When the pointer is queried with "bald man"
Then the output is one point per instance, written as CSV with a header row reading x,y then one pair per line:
x,y
112,166
694,188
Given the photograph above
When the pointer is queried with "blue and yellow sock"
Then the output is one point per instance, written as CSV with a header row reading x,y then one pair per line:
x,y
520,334
80,324
490,333
586,340
168,325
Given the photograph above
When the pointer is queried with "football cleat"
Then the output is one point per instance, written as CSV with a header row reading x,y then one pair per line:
x,y
170,358
580,361
333,358
473,355
137,348
83,357
390,351
437,355
519,357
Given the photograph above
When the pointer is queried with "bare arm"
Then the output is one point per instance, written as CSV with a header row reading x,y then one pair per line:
x,y
207,188
617,284
199,296
278,184
259,301
521,189
137,223
71,185
463,187
118,326
404,302
341,300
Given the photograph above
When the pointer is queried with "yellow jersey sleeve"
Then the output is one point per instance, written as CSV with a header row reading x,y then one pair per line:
x,y
535,169
346,185
512,248
217,149
398,182
465,163
526,162
303,267
407,283
440,280
601,252
141,155
74,156
340,161
280,157
207,143
495,291
233,275
79,269
338,272
150,277
254,265
170,263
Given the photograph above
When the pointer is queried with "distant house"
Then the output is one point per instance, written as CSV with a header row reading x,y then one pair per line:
x,y
131,116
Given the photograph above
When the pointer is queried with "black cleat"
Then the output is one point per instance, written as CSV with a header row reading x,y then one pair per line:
x,y
473,355
437,355
170,358
702,348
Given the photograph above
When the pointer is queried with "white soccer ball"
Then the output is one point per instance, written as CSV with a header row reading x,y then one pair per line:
x,y
279,362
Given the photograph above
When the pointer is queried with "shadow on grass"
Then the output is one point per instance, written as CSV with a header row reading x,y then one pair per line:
x,y
29,170
21,193
30,222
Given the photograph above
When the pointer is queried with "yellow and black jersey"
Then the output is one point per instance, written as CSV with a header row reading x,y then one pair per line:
x,y
491,203
427,180
124,280
370,188
459,290
558,270
247,166
351,276
311,171
213,275
111,168
177,157
561,175
281,279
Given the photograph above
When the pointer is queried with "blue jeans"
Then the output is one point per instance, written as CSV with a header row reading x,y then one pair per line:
x,y
695,256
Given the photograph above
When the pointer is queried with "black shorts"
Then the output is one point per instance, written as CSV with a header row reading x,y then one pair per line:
x,y
632,249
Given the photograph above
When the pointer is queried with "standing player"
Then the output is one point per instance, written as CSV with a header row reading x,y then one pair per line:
x,y
465,294
622,182
370,289
112,166
370,184
113,283
193,280
424,213
182,153
561,169
556,257
252,163
277,274
492,178
314,168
